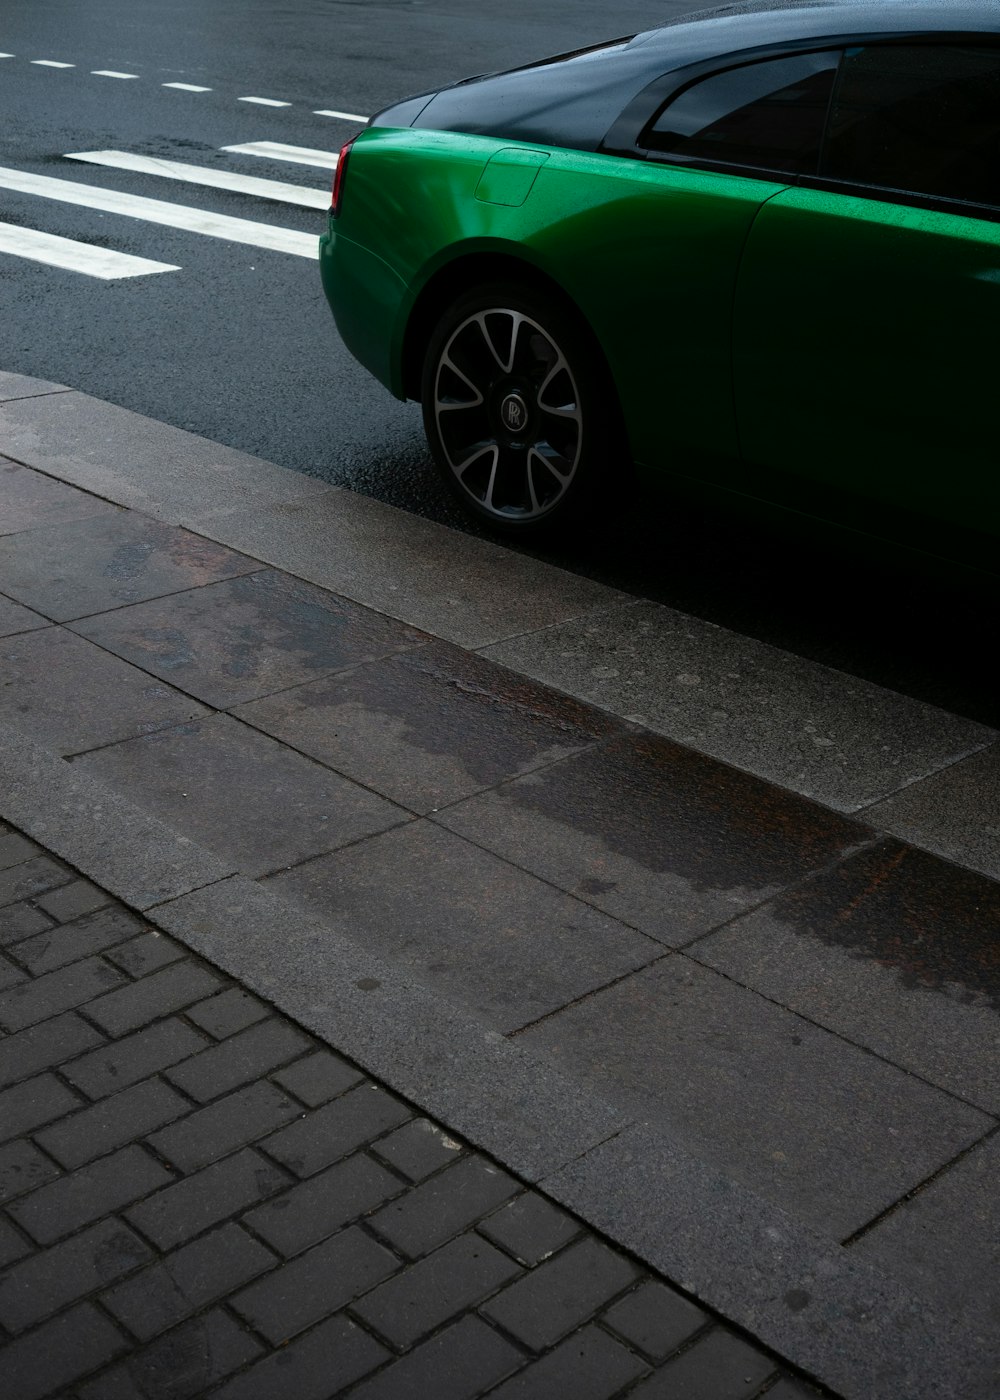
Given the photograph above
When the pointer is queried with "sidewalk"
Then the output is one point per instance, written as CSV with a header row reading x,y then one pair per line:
x,y
199,1195
662,922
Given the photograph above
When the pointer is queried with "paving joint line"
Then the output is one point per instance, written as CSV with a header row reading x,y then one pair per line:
x,y
864,1049
306,861
925,777
20,398
71,623
664,955
513,865
627,600
921,1186
683,952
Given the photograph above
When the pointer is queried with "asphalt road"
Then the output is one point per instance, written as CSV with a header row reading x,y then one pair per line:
x,y
237,343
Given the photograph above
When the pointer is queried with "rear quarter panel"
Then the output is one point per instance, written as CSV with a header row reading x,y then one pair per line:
x,y
648,253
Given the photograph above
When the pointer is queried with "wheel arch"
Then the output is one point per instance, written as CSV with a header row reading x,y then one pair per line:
x,y
460,275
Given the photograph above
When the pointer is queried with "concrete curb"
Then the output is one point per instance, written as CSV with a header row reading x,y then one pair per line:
x,y
845,743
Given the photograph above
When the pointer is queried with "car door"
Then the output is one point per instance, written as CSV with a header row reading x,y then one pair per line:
x,y
673,230
868,301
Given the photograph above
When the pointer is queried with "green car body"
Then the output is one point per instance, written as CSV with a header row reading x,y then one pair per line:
x,y
814,348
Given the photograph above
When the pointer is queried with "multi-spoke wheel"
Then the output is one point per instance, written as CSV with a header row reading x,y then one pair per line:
x,y
513,409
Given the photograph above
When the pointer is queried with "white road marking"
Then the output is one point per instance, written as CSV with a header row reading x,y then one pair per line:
x,y
264,101
50,63
296,155
6,55
342,116
75,257
156,211
204,175
110,73
186,87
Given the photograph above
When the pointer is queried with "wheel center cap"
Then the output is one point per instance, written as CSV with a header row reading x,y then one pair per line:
x,y
514,413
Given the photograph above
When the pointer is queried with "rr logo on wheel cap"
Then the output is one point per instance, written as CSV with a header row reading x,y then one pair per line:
x,y
514,413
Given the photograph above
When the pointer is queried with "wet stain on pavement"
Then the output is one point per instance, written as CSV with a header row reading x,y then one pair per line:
x,y
431,725
118,1254
933,923
170,647
188,1360
670,809
656,834
81,567
241,638
128,560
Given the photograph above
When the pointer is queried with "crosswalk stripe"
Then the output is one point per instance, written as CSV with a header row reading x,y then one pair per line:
x,y
342,116
295,155
264,101
110,73
66,253
186,87
157,211
204,175
51,63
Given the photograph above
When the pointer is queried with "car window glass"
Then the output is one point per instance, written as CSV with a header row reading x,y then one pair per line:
x,y
769,115
924,119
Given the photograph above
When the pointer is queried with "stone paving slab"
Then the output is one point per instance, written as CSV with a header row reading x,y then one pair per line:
x,y
926,1243
895,951
484,933
724,1070
842,741
22,386
676,843
137,462
29,499
238,640
430,726
89,566
70,695
955,813
138,858
165,1261
465,590
15,618
253,802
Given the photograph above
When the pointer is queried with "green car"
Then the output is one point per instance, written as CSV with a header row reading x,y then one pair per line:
x,y
756,250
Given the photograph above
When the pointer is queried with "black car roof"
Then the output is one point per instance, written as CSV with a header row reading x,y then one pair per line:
x,y
749,24
573,99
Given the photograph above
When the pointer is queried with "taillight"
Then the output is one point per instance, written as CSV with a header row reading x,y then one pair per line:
x,y
338,177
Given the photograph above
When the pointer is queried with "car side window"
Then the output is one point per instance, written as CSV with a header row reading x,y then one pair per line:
x,y
924,119
767,116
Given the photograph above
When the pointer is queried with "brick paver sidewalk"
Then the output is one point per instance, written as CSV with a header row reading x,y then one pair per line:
x,y
202,1200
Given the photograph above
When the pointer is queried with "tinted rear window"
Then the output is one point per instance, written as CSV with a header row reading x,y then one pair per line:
x,y
767,115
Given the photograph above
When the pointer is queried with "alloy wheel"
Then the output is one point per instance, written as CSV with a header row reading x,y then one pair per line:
x,y
507,411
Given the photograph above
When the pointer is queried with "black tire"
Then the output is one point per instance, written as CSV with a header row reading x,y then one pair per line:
x,y
520,414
